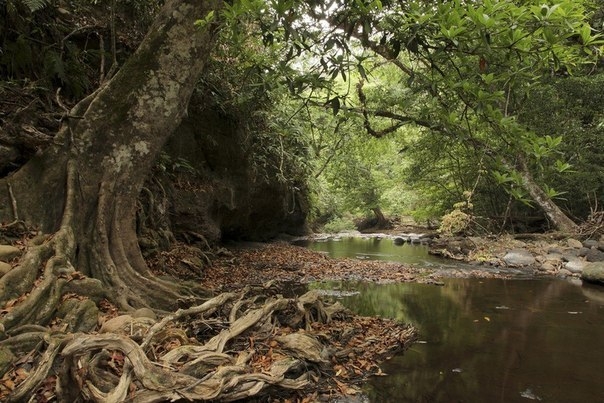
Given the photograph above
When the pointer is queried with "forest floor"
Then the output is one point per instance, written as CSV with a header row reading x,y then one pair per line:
x,y
362,343
246,264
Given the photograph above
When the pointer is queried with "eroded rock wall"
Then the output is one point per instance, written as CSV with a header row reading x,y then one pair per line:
x,y
219,191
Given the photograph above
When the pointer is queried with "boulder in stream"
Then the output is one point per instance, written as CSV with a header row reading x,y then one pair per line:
x,y
594,273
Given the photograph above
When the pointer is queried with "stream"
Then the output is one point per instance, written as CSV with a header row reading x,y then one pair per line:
x,y
480,340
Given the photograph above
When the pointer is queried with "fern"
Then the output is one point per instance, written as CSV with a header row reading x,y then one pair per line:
x,y
35,5
54,66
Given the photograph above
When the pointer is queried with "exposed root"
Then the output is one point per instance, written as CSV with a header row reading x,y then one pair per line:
x,y
39,298
231,347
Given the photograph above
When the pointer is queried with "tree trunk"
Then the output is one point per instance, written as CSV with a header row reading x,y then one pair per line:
x,y
381,220
557,217
85,186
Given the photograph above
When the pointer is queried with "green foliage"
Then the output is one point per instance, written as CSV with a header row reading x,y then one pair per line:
x,y
205,21
571,106
458,221
172,166
463,72
35,5
339,224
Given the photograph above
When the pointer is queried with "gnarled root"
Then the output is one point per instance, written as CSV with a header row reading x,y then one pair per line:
x,y
228,348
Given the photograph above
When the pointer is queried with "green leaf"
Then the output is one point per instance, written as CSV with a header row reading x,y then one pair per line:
x,y
551,192
585,33
562,166
35,5
362,71
502,178
205,21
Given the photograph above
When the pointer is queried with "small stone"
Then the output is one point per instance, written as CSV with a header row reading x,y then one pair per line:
x,y
564,273
4,268
519,257
575,266
144,313
547,267
594,255
590,243
8,253
554,250
573,243
399,240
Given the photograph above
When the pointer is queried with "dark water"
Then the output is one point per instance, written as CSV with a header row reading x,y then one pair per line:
x,y
489,340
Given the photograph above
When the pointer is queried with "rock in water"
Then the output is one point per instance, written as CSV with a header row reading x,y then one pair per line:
x,y
594,273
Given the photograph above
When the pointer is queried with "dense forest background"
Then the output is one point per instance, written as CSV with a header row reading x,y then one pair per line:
x,y
327,121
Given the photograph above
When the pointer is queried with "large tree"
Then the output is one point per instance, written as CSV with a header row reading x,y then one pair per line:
x,y
81,192
83,188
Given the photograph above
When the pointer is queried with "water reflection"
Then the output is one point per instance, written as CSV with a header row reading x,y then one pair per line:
x,y
490,340
375,249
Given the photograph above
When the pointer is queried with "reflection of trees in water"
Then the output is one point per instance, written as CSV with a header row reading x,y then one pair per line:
x,y
499,358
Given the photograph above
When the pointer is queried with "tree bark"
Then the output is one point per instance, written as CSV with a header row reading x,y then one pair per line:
x,y
86,185
557,217
381,220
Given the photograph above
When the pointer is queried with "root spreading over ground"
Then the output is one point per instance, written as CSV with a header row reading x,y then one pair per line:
x,y
247,343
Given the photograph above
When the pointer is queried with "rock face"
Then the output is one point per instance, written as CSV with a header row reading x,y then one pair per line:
x,y
594,273
519,257
232,188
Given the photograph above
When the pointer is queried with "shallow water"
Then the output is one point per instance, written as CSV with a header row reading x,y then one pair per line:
x,y
376,249
481,340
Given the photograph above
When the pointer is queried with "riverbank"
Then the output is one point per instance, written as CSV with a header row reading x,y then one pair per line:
x,y
537,254
540,254
258,263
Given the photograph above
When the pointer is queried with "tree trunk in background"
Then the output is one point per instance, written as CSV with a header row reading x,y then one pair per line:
x,y
556,216
85,186
381,220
